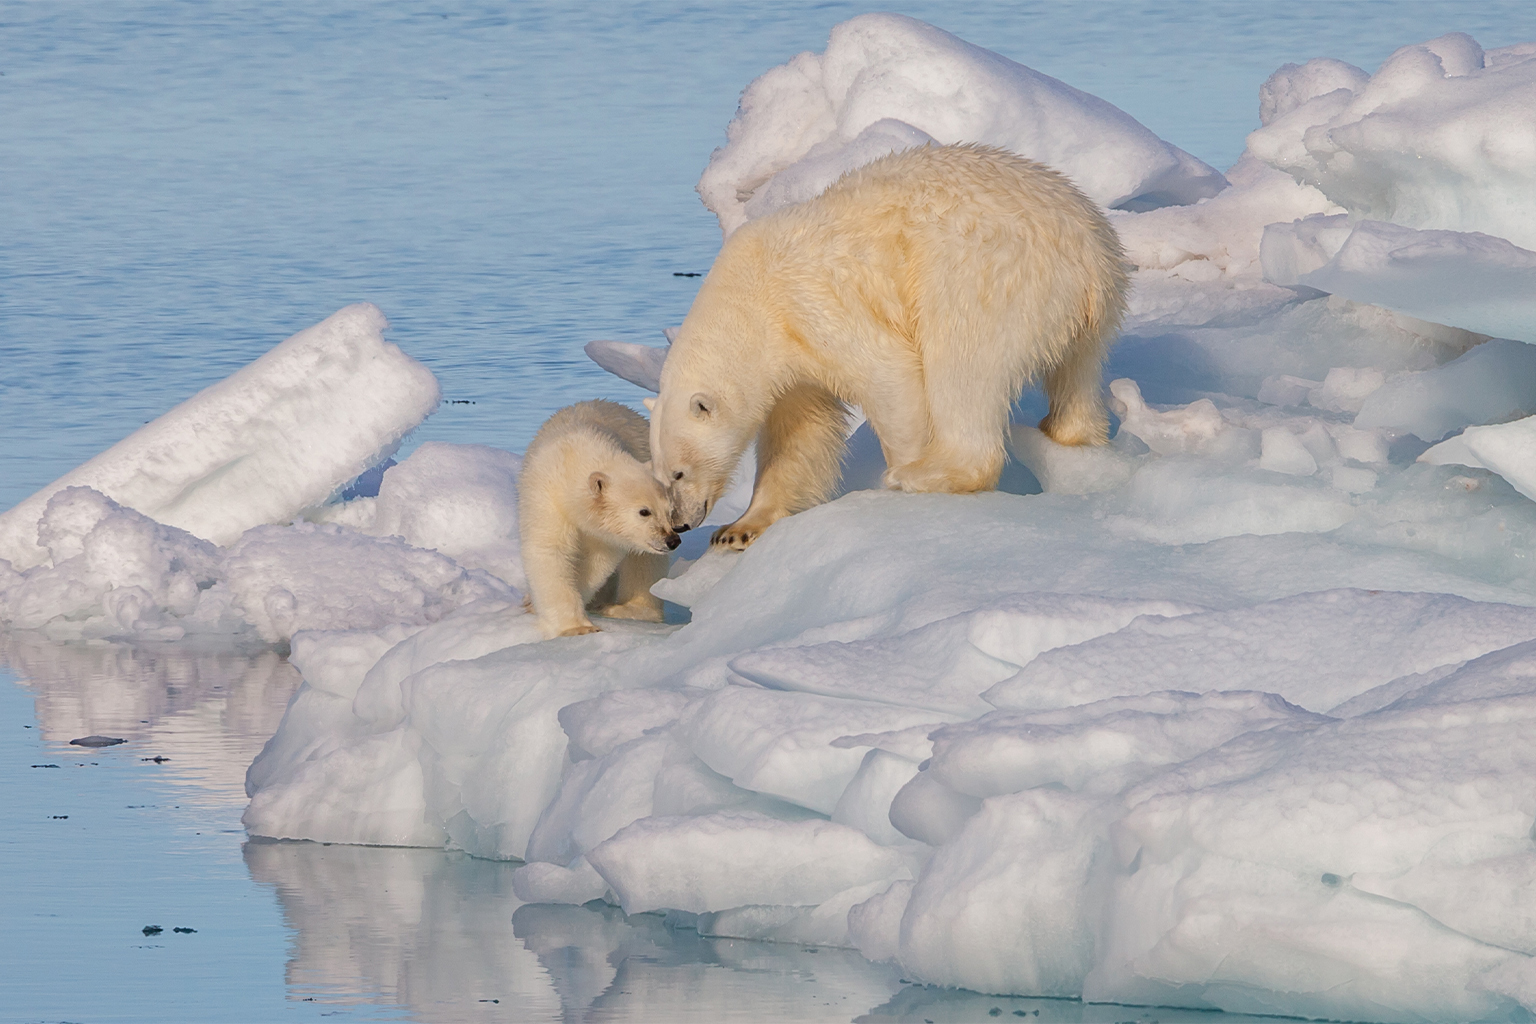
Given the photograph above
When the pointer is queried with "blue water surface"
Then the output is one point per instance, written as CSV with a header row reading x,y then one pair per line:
x,y
183,186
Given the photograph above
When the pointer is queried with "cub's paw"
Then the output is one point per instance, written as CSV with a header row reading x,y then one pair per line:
x,y
582,630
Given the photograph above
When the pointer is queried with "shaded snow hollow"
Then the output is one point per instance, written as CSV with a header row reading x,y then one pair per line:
x,y
1232,713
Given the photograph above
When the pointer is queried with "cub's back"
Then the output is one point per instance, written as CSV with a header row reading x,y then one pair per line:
x,y
596,420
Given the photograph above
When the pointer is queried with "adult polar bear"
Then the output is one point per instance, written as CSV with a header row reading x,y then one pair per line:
x,y
928,288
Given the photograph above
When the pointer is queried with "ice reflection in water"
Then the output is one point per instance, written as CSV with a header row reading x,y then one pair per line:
x,y
214,707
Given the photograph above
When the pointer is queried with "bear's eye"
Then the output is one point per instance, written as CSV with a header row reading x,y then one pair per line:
x,y
645,511
678,475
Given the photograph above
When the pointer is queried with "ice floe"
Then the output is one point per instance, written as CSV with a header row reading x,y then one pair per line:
x,y
1231,713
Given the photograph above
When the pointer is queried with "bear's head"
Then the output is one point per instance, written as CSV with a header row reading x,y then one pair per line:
x,y
695,445
626,501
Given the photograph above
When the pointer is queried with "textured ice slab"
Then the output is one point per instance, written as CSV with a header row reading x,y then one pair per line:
x,y
280,436
1493,383
1470,280
887,82
1508,449
1440,137
1316,650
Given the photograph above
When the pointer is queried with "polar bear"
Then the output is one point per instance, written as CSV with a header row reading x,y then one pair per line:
x,y
588,510
928,288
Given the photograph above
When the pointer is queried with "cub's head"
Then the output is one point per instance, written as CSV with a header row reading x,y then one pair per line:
x,y
628,502
695,445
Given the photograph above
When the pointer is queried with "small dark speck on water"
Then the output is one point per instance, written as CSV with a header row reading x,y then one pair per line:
x,y
184,931
97,741
61,817
996,1011
157,759
679,273
490,1000
153,929
45,766
460,401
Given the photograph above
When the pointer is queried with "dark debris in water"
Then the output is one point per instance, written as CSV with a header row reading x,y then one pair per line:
x,y
184,931
680,273
153,929
97,741
45,766
157,759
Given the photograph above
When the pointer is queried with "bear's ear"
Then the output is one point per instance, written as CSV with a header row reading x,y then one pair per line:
x,y
702,405
649,403
597,481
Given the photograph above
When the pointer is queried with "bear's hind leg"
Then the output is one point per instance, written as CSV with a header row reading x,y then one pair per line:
x,y
631,586
799,453
1075,390
968,410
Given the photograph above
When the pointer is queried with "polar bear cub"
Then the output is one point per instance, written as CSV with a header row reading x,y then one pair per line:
x,y
595,523
927,287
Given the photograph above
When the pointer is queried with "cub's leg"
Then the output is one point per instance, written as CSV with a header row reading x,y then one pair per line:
x,y
1075,389
554,586
799,453
632,597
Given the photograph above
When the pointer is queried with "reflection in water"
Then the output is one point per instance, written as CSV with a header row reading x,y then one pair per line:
x,y
425,929
210,710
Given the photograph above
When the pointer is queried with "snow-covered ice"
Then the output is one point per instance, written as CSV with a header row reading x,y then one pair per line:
x,y
261,446
887,82
1231,713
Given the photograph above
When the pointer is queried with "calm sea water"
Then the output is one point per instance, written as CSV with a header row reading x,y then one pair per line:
x,y
184,185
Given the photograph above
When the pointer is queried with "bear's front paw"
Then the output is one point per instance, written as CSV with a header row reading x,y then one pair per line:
x,y
736,537
582,630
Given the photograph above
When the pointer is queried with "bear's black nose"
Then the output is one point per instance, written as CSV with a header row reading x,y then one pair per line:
x,y
673,540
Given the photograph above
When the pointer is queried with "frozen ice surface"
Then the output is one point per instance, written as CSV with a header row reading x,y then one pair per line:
x,y
264,444
638,364
887,82
1234,715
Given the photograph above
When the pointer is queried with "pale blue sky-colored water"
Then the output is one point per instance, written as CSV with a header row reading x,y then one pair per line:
x,y
183,186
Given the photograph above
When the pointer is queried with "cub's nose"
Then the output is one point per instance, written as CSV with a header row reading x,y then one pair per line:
x,y
673,540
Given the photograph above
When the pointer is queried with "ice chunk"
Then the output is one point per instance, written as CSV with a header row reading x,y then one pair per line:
x,y
1470,280
456,499
112,572
887,81
1283,452
1188,429
269,441
780,744
733,859
315,576
1492,383
1005,907
1508,449
1437,138
638,364
1316,650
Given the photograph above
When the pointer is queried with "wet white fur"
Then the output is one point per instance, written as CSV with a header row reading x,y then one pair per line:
x,y
583,483
928,288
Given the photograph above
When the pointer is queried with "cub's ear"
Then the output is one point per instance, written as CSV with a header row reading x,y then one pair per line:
x,y
702,405
598,482
649,403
